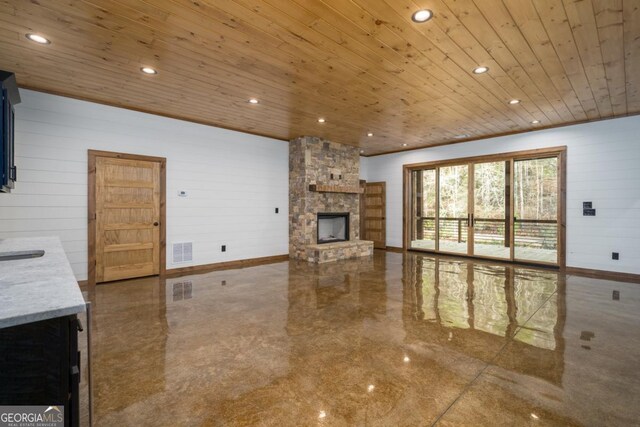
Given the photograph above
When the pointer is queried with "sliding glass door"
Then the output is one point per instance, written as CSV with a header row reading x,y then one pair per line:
x,y
424,209
453,209
491,198
536,210
500,207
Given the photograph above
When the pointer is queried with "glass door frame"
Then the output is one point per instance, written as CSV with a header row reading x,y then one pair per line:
x,y
408,218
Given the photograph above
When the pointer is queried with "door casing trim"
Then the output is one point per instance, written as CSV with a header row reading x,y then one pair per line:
x,y
91,208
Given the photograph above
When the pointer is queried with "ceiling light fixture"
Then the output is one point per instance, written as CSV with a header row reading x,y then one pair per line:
x,y
462,136
253,101
404,145
361,151
422,15
514,102
321,120
370,134
38,38
480,70
148,70
406,359
535,122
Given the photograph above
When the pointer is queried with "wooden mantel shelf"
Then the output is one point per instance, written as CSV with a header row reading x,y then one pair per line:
x,y
327,188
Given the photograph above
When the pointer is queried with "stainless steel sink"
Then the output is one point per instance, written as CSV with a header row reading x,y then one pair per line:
x,y
10,256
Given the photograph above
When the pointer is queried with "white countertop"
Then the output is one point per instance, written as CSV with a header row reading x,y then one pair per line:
x,y
37,288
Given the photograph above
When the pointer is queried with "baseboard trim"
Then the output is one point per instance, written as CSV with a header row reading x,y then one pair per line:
x,y
394,249
603,274
227,265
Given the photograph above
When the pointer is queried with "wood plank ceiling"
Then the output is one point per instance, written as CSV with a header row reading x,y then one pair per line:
x,y
363,65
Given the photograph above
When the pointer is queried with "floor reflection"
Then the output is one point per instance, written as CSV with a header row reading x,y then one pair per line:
x,y
130,342
494,299
474,307
397,339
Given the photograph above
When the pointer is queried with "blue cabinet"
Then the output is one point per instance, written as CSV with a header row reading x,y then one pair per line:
x,y
10,97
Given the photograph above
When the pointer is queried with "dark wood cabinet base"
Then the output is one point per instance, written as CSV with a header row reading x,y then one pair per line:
x,y
40,365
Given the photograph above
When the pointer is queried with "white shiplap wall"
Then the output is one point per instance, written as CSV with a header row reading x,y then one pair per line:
x,y
603,166
234,180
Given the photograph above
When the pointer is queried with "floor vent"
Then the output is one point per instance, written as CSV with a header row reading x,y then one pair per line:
x,y
182,252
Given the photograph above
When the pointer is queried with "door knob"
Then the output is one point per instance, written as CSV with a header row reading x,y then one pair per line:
x,y
155,224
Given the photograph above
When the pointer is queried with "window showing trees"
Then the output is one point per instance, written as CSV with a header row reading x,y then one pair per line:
x,y
471,208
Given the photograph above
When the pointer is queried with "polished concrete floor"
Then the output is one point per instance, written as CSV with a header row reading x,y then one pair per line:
x,y
397,340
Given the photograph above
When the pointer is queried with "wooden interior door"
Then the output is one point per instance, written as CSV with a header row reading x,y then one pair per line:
x,y
375,221
127,217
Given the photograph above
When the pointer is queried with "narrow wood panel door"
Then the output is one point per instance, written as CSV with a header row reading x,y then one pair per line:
x,y
375,227
127,218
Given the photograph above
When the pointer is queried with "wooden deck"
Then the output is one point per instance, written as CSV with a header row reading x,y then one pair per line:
x,y
495,251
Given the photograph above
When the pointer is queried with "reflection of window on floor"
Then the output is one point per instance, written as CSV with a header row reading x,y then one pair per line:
x,y
452,303
490,304
535,310
429,291
528,304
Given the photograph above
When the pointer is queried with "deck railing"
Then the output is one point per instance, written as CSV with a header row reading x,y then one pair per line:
x,y
533,233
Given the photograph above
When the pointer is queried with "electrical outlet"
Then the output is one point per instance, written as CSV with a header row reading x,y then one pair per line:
x,y
615,255
224,248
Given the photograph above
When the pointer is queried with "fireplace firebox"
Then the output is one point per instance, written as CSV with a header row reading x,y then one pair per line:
x,y
333,227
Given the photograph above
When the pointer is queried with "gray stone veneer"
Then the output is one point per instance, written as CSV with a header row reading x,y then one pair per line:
x,y
313,160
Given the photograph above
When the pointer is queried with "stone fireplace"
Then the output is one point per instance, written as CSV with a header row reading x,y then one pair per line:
x,y
324,201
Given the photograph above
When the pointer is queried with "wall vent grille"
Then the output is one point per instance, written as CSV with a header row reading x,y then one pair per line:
x,y
182,252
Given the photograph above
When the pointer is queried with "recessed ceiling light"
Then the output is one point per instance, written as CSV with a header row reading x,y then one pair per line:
x,y
361,151
535,122
253,101
321,120
462,136
406,359
370,134
404,145
514,101
148,70
38,38
480,70
422,15
370,388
